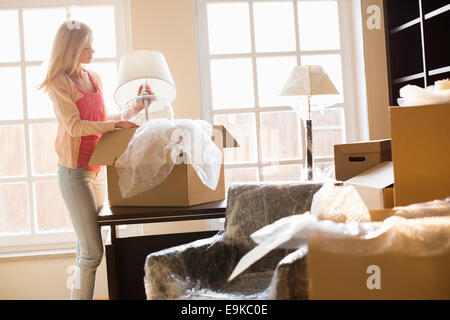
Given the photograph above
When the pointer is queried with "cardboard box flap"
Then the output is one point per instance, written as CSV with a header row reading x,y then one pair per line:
x,y
364,147
111,145
228,141
380,176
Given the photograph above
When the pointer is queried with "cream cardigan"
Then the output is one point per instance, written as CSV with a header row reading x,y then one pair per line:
x,y
71,128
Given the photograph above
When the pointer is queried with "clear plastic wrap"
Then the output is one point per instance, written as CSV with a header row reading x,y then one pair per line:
x,y
420,237
340,223
339,204
158,109
199,270
411,95
160,144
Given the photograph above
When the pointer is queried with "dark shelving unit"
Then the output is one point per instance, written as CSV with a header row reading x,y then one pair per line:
x,y
417,43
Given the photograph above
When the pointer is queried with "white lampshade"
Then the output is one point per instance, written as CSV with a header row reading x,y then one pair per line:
x,y
140,66
308,81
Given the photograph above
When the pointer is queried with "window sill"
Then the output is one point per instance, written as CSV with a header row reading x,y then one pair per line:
x,y
37,255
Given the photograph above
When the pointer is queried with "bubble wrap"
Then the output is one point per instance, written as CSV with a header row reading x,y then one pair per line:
x,y
160,144
419,230
339,222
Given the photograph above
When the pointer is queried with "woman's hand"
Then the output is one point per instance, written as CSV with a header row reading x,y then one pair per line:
x,y
125,124
140,104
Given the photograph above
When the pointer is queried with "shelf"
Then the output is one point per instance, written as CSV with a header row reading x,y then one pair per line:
x,y
408,78
438,76
406,25
400,12
431,6
406,52
418,50
439,71
437,51
437,12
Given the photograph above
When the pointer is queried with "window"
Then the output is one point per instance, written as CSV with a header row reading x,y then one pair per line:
x,y
32,211
247,49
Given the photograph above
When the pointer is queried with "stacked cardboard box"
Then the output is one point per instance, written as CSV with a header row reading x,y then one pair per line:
x,y
421,153
421,171
368,167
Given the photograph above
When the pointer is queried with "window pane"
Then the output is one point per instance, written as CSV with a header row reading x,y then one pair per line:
x,y
282,173
232,83
13,208
327,117
319,25
273,73
274,26
108,74
51,212
104,31
242,127
40,26
279,136
228,27
324,171
44,159
12,157
9,21
39,103
11,93
332,65
324,141
240,175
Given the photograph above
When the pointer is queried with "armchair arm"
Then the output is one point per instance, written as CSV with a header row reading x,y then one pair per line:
x,y
290,280
171,272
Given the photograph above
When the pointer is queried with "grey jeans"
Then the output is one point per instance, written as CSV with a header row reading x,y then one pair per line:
x,y
83,192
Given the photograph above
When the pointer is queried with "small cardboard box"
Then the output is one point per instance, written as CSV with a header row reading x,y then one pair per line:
x,y
182,187
386,276
352,159
421,153
375,186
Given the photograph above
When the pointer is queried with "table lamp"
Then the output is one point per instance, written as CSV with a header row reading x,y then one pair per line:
x,y
141,67
308,81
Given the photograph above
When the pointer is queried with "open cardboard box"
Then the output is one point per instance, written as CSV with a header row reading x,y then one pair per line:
x,y
354,158
386,276
421,153
181,188
375,186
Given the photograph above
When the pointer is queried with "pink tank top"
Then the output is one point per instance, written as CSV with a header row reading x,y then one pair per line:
x,y
90,108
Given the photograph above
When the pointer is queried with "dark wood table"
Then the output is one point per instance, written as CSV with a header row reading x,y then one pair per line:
x,y
125,257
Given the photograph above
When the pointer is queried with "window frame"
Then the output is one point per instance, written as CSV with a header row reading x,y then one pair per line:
x,y
51,240
351,120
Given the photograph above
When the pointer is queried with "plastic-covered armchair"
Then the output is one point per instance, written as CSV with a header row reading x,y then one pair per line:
x,y
200,269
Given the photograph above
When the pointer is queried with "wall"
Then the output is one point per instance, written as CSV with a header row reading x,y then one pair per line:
x,y
375,63
43,278
169,26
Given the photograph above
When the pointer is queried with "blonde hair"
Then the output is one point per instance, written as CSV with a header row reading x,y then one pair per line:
x,y
69,41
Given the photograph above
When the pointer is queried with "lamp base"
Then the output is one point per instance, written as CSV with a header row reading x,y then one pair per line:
x,y
309,156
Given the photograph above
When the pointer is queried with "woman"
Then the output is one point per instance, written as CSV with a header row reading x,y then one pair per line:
x,y
78,103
